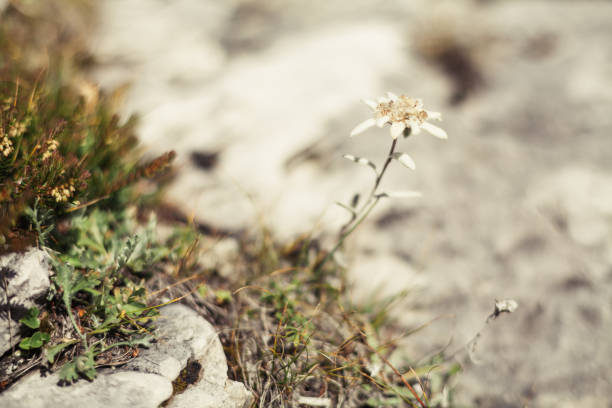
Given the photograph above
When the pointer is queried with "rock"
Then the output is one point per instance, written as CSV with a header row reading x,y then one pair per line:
x,y
185,336
110,389
27,281
209,395
580,199
185,340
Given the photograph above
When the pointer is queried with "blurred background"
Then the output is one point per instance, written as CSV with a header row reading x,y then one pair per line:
x,y
258,99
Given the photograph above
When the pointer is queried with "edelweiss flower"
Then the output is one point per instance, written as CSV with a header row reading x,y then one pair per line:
x,y
401,113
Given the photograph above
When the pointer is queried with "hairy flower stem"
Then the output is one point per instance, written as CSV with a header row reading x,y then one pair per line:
x,y
374,188
382,172
348,232
361,215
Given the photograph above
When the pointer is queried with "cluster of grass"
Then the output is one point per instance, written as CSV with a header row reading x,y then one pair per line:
x,y
67,171
292,337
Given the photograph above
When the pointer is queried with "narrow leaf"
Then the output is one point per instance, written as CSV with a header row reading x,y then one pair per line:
x,y
400,194
360,160
346,207
363,126
404,159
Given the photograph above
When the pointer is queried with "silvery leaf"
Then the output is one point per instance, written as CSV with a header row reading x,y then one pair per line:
x,y
346,207
360,160
400,194
404,159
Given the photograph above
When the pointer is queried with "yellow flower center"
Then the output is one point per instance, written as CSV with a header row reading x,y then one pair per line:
x,y
403,109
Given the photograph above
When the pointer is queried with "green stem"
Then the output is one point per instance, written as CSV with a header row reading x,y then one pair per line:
x,y
360,215
68,305
346,234
379,177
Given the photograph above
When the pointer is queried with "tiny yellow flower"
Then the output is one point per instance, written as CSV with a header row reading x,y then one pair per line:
x,y
51,147
17,129
401,112
63,192
6,146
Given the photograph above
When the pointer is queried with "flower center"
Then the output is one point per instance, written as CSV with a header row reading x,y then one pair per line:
x,y
403,109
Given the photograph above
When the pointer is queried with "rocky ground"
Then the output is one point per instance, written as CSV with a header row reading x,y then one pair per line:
x,y
258,98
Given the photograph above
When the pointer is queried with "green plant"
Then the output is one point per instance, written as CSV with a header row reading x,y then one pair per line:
x,y
38,338
96,282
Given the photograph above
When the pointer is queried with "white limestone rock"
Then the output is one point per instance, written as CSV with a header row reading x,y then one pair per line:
x,y
111,389
27,280
183,337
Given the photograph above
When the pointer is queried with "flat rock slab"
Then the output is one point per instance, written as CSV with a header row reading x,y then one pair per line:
x,y
184,337
26,277
119,389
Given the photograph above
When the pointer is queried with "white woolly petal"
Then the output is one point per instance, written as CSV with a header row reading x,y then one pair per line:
x,y
415,128
434,115
397,128
383,99
392,96
434,130
382,121
363,126
371,104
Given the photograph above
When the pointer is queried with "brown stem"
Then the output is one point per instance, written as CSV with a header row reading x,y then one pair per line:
x,y
382,172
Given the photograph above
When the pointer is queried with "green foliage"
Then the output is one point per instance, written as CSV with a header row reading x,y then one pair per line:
x,y
107,240
31,318
85,364
40,220
81,365
37,339
223,296
51,352
297,328
97,276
